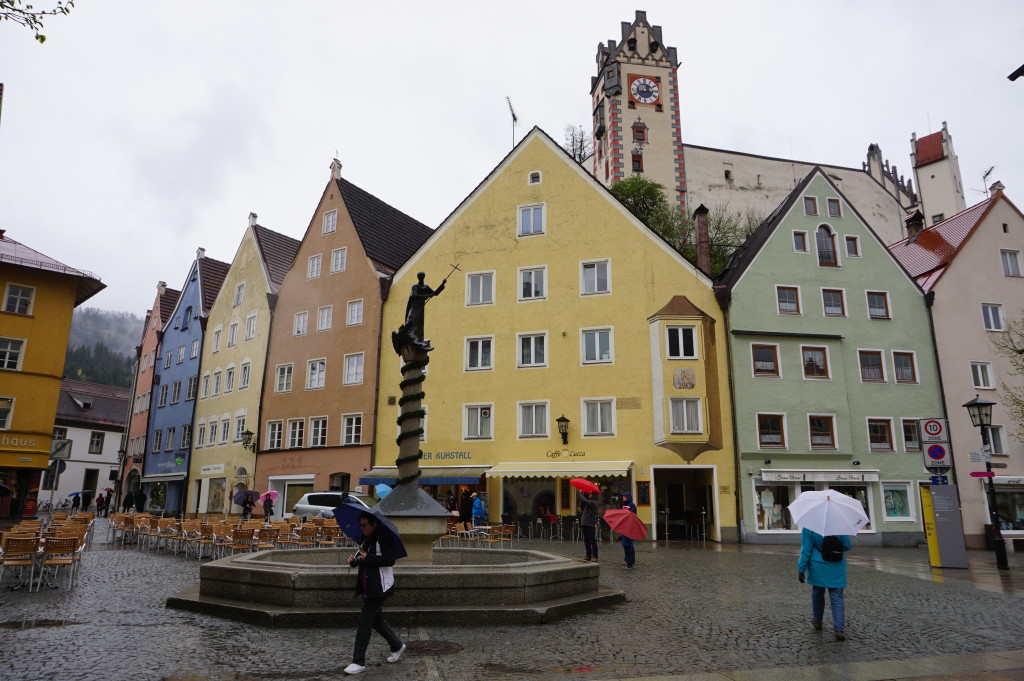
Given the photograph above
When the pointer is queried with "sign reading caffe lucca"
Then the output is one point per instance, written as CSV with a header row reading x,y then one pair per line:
x,y
565,453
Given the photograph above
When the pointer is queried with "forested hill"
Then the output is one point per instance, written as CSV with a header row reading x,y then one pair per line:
x,y
101,346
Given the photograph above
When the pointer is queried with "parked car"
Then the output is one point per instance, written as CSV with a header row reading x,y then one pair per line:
x,y
314,504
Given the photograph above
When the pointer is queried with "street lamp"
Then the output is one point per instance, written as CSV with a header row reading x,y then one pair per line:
x,y
563,428
247,441
981,416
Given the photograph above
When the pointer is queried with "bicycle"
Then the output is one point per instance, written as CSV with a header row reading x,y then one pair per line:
x,y
47,507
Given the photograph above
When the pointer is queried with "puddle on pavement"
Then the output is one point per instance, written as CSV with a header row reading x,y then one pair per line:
x,y
26,623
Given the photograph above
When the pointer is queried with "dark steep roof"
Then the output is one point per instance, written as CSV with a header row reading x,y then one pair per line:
x,y
388,235
278,251
92,404
167,302
211,275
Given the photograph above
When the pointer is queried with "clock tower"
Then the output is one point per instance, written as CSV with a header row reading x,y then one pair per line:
x,y
635,98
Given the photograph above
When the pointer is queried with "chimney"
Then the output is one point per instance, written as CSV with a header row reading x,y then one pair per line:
x,y
2,232
703,239
252,219
914,224
997,186
336,169
161,288
200,253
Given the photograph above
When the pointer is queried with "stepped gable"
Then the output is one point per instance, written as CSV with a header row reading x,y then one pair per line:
x,y
278,251
389,236
211,275
15,253
927,256
93,404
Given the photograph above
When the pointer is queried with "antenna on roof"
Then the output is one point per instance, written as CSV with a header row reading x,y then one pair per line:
x,y
515,119
984,182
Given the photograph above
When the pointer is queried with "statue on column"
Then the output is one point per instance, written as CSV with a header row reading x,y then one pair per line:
x,y
411,332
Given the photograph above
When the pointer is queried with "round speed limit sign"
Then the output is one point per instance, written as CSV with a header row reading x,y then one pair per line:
x,y
933,430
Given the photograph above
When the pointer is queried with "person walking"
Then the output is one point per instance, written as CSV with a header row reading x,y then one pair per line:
x,y
628,549
76,503
247,506
375,582
101,504
466,508
588,522
268,508
479,514
140,500
822,564
129,502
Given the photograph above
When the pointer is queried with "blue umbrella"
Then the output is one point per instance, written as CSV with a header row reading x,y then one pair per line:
x,y
347,516
381,490
73,494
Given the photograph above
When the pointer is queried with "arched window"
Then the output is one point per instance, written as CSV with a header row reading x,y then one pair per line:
x,y
826,242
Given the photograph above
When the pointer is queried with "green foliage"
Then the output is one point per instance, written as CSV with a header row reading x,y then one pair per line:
x,y
1011,346
646,199
30,17
98,364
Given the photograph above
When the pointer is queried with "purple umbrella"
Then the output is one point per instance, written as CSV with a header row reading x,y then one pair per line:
x,y
242,494
347,516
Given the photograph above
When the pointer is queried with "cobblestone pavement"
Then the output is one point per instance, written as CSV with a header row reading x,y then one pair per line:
x,y
691,609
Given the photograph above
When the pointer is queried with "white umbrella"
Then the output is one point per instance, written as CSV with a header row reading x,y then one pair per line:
x,y
828,512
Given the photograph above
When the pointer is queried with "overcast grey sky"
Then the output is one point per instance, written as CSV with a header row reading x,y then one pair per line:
x,y
143,130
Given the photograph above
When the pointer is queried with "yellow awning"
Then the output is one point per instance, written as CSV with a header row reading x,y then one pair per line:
x,y
560,469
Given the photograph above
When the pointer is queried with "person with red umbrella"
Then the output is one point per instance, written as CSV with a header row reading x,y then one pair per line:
x,y
588,518
628,549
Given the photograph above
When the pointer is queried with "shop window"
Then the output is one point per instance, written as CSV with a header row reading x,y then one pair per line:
x,y
897,500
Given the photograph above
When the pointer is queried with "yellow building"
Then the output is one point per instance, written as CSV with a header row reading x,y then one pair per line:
x,y
40,295
231,371
565,305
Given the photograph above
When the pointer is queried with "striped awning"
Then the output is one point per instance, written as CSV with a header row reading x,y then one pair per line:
x,y
431,475
560,469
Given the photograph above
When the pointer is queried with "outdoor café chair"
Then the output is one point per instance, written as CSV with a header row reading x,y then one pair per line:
x,y
59,552
20,552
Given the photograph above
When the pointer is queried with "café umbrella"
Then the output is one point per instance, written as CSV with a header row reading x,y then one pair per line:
x,y
828,512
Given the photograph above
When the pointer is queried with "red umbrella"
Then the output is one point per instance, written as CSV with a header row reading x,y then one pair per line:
x,y
584,485
626,523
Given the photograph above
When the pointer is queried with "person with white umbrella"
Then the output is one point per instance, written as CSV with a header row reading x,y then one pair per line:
x,y
827,518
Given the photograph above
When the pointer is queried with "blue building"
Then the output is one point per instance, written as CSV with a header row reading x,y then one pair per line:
x,y
169,439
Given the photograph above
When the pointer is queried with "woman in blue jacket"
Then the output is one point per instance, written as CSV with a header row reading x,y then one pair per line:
x,y
822,574
479,515
375,560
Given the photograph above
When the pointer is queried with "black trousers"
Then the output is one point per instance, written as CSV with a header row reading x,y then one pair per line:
x,y
590,541
371,618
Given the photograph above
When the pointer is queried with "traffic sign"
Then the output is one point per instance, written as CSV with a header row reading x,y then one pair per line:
x,y
978,457
933,430
940,480
60,449
937,455
998,465
982,474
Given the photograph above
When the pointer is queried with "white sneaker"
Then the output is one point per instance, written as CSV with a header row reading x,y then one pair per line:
x,y
395,656
355,669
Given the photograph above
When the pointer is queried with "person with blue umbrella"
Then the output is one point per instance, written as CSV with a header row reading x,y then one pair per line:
x,y
379,547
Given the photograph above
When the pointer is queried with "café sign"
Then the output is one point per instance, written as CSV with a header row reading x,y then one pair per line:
x,y
818,476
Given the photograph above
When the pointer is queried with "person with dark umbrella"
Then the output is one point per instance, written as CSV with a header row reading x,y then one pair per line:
x,y
375,560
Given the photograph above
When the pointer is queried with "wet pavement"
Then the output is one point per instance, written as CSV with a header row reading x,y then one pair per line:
x,y
695,613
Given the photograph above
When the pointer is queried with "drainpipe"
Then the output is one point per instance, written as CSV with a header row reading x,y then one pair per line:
x,y
929,301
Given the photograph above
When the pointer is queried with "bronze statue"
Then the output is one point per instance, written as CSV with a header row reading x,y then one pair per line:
x,y
411,333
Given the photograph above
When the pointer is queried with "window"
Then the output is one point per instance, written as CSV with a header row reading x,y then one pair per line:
x,y
190,390
213,433
167,359
834,209
158,440
480,288
982,374
993,315
216,383
597,346
531,350
243,376
938,217
216,340
685,415
313,267
6,408
596,278
10,353
800,242
897,501
175,392
904,365
815,361
239,290
169,442
911,441
96,442
274,433
597,417
318,431
810,205
301,320
201,435
534,177
871,370
250,327
338,258
880,435
853,246
531,283
206,386
478,422
638,163
229,380
353,429
531,220
353,369
283,383
18,299
355,312
181,354
478,354
771,431
788,298
1011,263
186,436
833,303
826,242
822,430
878,305
766,360
682,342
195,349
533,419
225,427
330,221
996,439
187,318
163,396
316,373
324,317
233,334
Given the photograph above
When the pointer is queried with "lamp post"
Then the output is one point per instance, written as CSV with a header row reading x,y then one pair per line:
x,y
981,416
247,441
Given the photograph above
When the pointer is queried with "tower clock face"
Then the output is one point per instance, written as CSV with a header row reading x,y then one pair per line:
x,y
644,90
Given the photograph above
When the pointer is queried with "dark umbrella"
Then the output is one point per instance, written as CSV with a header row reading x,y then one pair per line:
x,y
241,495
347,516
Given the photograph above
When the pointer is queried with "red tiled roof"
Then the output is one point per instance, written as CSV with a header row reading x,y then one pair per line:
x,y
928,256
929,149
